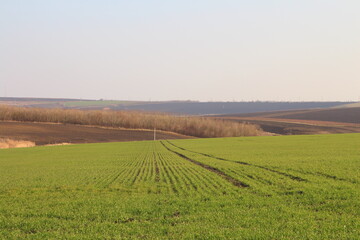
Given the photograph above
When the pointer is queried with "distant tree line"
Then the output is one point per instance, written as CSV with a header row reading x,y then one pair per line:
x,y
186,125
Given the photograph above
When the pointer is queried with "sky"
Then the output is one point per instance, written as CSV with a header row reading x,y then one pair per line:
x,y
205,50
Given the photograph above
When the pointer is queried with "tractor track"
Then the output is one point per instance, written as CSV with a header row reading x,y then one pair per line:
x,y
230,179
296,178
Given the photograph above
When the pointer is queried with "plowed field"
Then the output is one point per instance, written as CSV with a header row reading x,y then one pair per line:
x,y
43,133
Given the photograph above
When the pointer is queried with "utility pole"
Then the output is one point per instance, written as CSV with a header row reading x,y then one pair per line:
x,y
154,134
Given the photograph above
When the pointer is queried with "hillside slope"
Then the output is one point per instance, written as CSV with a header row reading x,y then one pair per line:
x,y
45,133
344,115
174,107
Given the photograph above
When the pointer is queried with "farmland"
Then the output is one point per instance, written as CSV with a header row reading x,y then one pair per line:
x,y
307,121
286,187
285,126
184,125
175,107
45,133
340,115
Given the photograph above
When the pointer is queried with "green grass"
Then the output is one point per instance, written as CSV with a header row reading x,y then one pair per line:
x,y
294,187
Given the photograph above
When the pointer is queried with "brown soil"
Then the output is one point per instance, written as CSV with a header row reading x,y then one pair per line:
x,y
343,115
45,133
297,126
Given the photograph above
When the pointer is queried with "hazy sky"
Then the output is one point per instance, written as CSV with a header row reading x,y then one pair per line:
x,y
181,49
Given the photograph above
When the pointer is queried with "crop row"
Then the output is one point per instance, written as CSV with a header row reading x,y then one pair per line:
x,y
134,167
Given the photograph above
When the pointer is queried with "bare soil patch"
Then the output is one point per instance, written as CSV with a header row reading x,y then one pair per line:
x,y
298,126
306,121
338,115
44,133
10,143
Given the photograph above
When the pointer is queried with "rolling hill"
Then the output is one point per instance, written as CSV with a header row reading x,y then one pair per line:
x,y
174,107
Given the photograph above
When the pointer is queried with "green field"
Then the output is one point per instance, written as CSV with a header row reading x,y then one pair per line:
x,y
286,187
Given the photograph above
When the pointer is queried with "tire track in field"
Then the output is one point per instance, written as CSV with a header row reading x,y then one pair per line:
x,y
325,175
296,178
193,178
182,178
230,179
200,182
333,177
